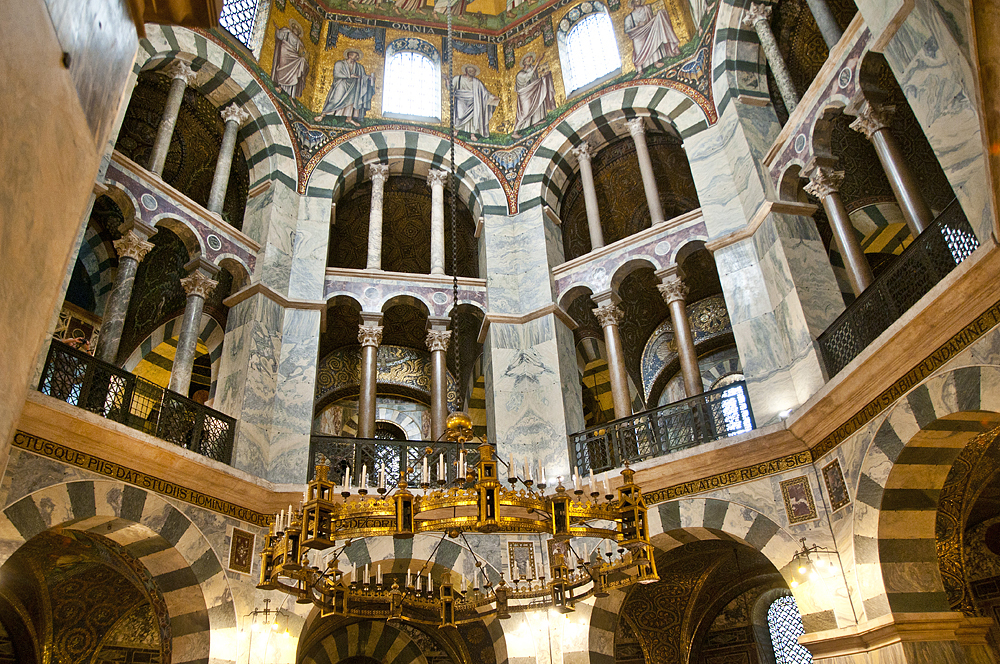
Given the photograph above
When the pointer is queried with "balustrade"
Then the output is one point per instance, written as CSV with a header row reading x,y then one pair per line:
x,y
343,453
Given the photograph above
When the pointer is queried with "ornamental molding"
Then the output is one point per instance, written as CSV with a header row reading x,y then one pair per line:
x,y
370,335
438,340
199,284
132,246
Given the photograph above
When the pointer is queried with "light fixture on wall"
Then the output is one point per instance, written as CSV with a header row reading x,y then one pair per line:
x,y
809,563
265,623
457,498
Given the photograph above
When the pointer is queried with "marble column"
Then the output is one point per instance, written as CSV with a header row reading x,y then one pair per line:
x,y
674,292
198,286
437,344
370,337
437,180
828,26
131,248
609,315
582,154
379,174
637,129
182,75
873,121
758,16
824,184
234,116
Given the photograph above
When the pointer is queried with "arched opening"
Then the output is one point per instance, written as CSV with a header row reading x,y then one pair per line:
x,y
194,147
784,625
412,80
588,48
618,184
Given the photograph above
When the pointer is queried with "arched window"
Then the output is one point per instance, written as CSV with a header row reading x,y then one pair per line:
x,y
238,17
588,49
785,626
412,79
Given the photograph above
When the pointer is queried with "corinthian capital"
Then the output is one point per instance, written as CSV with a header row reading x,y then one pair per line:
x,y
199,284
438,340
824,181
235,113
582,151
132,246
673,289
370,335
608,314
871,118
636,127
379,173
181,70
436,177
757,12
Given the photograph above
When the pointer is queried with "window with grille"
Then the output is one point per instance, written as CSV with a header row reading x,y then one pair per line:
x,y
412,85
785,626
590,50
238,17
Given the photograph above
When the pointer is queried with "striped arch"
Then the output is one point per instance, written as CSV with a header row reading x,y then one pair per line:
x,y
176,553
264,139
601,121
440,554
375,639
100,261
211,334
739,68
400,419
896,497
407,153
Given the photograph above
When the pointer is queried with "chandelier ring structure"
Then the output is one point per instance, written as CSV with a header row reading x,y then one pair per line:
x,y
469,499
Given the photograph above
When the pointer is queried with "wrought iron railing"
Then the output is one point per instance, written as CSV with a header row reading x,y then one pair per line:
x,y
677,426
82,380
342,453
929,258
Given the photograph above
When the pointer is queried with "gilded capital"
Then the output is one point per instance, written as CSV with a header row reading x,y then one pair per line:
x,y
370,335
673,289
181,70
235,113
608,314
757,12
437,178
872,118
438,340
582,151
636,127
824,181
132,246
199,284
379,173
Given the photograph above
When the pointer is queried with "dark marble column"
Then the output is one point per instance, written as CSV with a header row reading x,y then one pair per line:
x,y
370,337
234,116
182,75
437,343
758,16
609,315
674,292
132,248
824,184
198,286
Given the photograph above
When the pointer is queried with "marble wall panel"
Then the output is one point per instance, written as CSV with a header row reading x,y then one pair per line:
x,y
309,249
713,177
277,228
517,262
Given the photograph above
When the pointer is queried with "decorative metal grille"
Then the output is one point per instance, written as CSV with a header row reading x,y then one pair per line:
x,y
238,18
929,258
342,453
79,379
701,419
591,51
785,626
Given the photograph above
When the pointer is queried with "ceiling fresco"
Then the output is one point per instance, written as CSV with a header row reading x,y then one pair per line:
x,y
313,46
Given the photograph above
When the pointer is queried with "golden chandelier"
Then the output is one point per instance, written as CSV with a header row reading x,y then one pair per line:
x,y
475,502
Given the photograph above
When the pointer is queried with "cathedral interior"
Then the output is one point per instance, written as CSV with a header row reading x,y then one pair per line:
x,y
291,289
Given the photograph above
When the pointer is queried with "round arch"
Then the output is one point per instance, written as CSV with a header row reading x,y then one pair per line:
x,y
210,333
151,527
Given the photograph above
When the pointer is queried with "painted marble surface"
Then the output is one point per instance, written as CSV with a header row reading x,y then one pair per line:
x,y
372,290
277,228
517,270
153,204
309,249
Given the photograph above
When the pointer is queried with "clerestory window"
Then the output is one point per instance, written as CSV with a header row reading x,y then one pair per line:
x,y
588,48
785,625
238,18
412,80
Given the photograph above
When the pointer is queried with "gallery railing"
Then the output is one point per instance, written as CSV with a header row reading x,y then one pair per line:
x,y
700,419
929,258
345,454
82,380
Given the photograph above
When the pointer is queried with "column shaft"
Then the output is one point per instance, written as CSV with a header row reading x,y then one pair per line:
x,y
182,74
437,342
437,180
904,184
609,315
582,153
131,249
758,16
638,131
685,348
198,286
379,173
234,116
370,337
828,25
858,270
